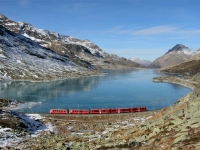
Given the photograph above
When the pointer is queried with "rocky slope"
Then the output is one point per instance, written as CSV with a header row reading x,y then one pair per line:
x,y
145,63
82,52
177,55
22,58
187,69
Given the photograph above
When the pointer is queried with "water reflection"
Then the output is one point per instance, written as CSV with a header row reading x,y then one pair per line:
x,y
41,91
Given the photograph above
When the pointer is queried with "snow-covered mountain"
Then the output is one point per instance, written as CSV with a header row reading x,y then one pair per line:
x,y
22,58
82,52
145,63
176,55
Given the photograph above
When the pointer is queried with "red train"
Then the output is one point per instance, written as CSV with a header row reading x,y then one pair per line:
x,y
97,111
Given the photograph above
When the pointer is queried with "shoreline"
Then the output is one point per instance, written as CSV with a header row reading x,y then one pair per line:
x,y
53,79
175,80
64,78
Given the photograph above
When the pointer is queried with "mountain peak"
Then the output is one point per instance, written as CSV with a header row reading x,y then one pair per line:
x,y
2,16
178,47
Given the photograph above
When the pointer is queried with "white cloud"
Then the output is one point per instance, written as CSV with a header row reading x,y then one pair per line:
x,y
113,36
118,30
24,2
188,31
156,30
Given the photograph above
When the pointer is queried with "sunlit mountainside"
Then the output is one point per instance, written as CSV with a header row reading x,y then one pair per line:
x,y
24,45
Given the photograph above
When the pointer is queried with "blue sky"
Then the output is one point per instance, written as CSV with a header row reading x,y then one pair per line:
x,y
144,29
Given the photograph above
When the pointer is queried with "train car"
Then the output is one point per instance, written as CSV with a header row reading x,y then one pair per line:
x,y
79,111
120,110
97,111
75,111
139,109
85,111
58,111
124,110
100,111
114,110
94,111
132,110
143,109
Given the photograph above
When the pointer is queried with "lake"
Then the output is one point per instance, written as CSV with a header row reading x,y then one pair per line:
x,y
116,88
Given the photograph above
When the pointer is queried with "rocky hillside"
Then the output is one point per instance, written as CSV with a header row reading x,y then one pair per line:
x,y
22,58
177,55
145,63
82,52
196,57
189,68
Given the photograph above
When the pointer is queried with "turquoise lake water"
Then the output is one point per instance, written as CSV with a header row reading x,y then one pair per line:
x,y
116,88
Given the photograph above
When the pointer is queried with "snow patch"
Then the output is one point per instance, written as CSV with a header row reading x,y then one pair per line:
x,y
190,52
10,24
1,50
20,23
19,61
32,38
2,56
34,127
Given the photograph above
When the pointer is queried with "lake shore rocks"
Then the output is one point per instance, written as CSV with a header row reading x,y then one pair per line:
x,y
176,80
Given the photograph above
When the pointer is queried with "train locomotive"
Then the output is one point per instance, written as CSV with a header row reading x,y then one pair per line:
x,y
97,111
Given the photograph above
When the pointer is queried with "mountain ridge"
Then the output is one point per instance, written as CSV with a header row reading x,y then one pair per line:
x,y
178,47
77,50
22,58
145,63
174,56
84,54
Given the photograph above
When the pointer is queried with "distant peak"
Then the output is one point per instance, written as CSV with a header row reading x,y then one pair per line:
x,y
178,47
87,40
133,58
